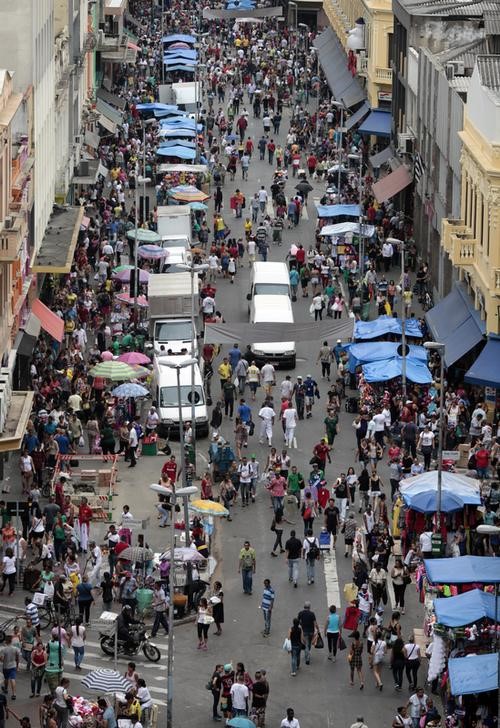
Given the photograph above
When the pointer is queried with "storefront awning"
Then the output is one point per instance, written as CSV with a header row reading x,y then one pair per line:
x,y
377,123
50,321
463,570
377,160
113,115
358,116
473,674
107,124
111,99
92,139
455,323
59,242
94,168
486,369
392,184
464,608
344,86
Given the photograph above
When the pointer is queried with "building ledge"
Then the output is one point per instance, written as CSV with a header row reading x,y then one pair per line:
x,y
16,421
59,242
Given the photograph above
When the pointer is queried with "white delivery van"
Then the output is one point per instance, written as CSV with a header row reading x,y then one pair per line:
x,y
268,309
170,306
270,279
165,391
178,250
174,220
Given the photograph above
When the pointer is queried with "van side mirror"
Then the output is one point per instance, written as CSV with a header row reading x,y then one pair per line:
x,y
249,296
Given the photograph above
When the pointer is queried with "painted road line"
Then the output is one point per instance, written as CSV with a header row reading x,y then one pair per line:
x,y
331,578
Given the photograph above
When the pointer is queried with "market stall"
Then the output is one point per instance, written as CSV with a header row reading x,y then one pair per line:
x,y
92,477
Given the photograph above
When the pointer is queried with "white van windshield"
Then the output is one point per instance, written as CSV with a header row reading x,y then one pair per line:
x,y
271,289
173,331
168,396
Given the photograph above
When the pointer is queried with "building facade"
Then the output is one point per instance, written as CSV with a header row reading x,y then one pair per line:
x,y
472,240
373,59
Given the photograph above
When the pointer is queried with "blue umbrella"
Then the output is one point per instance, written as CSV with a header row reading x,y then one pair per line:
x,y
426,501
129,389
197,206
241,722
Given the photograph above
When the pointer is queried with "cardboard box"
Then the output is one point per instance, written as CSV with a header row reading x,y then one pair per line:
x,y
464,454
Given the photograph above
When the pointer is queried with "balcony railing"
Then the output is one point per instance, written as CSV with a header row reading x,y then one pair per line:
x,y
383,75
466,250
12,237
451,228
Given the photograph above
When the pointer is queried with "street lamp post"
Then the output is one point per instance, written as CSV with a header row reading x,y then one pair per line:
x,y
360,219
181,365
183,493
295,51
340,105
401,244
436,346
490,530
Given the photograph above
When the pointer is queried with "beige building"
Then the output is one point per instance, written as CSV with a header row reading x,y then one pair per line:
x,y
373,58
16,200
473,241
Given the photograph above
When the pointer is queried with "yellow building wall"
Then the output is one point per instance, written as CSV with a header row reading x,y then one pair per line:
x,y
480,213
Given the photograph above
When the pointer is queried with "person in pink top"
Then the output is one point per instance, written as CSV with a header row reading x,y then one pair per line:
x,y
277,489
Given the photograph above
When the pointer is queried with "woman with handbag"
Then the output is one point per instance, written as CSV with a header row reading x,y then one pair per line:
x,y
379,649
355,659
297,642
400,579
412,657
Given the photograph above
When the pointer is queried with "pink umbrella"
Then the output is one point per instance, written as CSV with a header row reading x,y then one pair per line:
x,y
134,357
107,355
124,276
142,301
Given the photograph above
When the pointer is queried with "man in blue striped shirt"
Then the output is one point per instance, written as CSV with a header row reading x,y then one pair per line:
x,y
266,605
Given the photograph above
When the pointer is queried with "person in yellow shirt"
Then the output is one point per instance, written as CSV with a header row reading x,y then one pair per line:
x,y
248,228
225,371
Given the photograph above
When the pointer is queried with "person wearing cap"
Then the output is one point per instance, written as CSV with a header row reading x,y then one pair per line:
x,y
227,680
310,392
360,722
337,351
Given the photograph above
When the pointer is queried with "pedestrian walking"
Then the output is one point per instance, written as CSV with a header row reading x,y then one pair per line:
x,y
267,416
277,528
247,565
349,530
10,664
267,604
297,644
311,554
400,577
78,642
307,620
216,687
8,571
412,665
290,721
355,659
37,668
217,602
378,652
160,608
333,632
398,661
203,621
293,549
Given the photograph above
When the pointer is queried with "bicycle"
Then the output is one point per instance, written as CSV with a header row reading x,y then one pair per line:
x,y
50,616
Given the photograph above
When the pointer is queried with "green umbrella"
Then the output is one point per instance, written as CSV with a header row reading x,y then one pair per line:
x,y
144,236
116,371
120,268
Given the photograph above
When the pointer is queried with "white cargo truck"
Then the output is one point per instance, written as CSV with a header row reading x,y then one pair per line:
x,y
170,302
175,220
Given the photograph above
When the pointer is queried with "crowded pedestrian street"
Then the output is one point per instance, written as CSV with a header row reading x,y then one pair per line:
x,y
258,534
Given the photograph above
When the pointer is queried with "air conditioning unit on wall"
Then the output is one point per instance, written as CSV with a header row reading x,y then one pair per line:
x,y
406,143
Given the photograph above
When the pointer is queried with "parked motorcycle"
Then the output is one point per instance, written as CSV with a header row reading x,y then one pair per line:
x,y
140,640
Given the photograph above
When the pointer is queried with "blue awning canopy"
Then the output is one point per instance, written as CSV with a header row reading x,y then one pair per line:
x,y
187,69
182,53
178,37
338,210
378,123
486,369
473,674
386,325
455,323
176,151
387,369
172,60
463,570
464,608
177,133
179,142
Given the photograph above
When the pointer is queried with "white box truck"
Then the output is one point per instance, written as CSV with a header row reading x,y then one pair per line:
x,y
175,220
170,302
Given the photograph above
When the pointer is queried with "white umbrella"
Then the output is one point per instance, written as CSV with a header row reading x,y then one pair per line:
x,y
106,681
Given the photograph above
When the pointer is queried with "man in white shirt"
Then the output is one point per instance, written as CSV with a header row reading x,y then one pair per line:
x,y
416,704
290,721
96,561
267,415
425,542
379,421
133,442
286,387
239,697
268,377
152,420
387,253
208,306
213,267
290,423
262,199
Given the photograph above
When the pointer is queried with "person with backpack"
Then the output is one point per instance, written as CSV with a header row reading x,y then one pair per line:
x,y
310,552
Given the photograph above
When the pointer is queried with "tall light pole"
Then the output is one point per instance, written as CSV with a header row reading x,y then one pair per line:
x,y
178,366
360,219
436,346
183,493
340,105
192,269
135,293
295,49
490,530
401,244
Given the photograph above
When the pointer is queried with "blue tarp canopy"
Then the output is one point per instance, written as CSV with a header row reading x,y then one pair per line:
x,y
173,60
386,325
461,485
177,133
463,570
176,151
186,69
455,323
175,121
473,674
370,351
486,369
384,371
178,37
378,122
156,107
181,53
464,608
337,210
180,142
